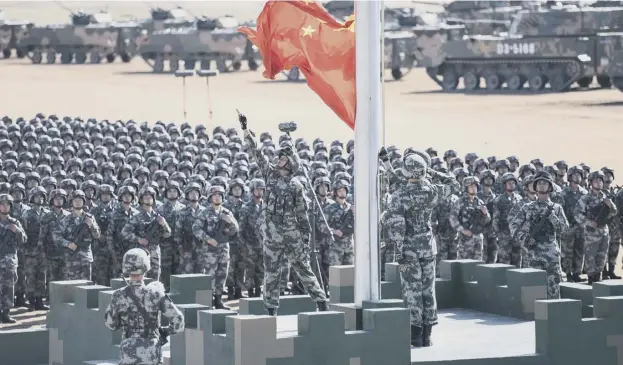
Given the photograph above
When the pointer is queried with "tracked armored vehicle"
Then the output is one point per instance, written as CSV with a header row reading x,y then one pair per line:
x,y
168,18
210,40
11,33
93,36
553,48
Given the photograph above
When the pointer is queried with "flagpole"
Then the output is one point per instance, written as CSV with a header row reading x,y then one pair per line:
x,y
369,119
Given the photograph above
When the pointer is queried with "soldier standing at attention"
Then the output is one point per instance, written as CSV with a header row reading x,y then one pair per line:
x,y
468,217
536,226
103,270
614,225
213,228
509,250
250,232
573,238
285,224
409,228
237,253
53,252
341,221
8,256
115,242
183,236
594,210
34,257
136,311
147,229
169,252
490,239
76,232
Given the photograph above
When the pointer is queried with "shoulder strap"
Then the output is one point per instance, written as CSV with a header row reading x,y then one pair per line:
x,y
143,311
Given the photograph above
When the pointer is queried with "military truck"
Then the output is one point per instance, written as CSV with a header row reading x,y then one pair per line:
x,y
93,36
210,40
553,47
11,33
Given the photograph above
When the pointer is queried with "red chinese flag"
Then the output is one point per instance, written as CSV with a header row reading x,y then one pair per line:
x,y
302,34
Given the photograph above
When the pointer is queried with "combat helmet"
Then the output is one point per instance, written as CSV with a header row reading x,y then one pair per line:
x,y
147,191
136,262
192,186
414,167
543,175
509,176
6,198
257,184
79,194
57,193
341,184
597,174
216,189
127,189
469,181
37,190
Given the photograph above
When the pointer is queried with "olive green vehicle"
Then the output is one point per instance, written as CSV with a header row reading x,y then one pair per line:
x,y
11,33
89,36
545,48
209,40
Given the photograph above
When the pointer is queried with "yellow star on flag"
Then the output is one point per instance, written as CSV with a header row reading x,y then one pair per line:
x,y
308,31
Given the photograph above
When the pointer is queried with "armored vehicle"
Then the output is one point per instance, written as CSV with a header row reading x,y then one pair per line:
x,y
211,39
556,47
95,36
11,33
168,18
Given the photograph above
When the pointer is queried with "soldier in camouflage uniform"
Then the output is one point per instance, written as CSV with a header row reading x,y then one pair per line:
x,y
116,243
486,194
509,250
101,212
285,224
409,228
136,311
18,192
535,226
594,210
76,233
168,250
237,250
250,233
13,236
341,221
529,195
322,188
213,229
468,217
34,256
53,252
614,226
183,237
147,229
573,238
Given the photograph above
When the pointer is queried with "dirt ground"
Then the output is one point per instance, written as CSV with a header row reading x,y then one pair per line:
x,y
578,126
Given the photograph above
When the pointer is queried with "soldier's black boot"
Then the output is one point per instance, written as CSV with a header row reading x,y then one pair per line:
x,y
426,334
577,278
569,277
20,300
258,292
39,304
251,293
322,306
605,274
230,293
218,302
416,336
238,293
31,304
5,317
271,312
611,273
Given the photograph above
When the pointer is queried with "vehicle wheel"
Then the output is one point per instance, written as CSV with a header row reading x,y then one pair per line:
x,y
174,65
50,57
190,64
396,73
618,83
6,53
515,82
537,82
81,58
585,81
66,58
221,66
253,66
110,58
37,57
237,65
95,58
126,57
559,83
493,82
471,80
450,80
204,65
158,64
604,81
21,53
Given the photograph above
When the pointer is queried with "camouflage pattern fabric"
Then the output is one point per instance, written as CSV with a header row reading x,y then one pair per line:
x,y
77,262
184,239
573,239
115,242
509,250
169,258
237,251
9,262
102,258
340,217
140,339
470,247
490,239
250,233
34,257
447,244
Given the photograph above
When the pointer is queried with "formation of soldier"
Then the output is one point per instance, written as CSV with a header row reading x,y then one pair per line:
x,y
244,210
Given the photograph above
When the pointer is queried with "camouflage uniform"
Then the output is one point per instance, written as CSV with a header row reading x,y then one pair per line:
x,y
18,211
490,240
169,252
573,238
446,239
592,209
115,241
323,242
237,250
250,232
183,237
545,253
102,264
9,261
211,224
77,262
467,214
509,250
136,311
34,256
286,228
53,252
409,226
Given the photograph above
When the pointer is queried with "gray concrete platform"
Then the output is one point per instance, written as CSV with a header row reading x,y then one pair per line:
x,y
464,334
